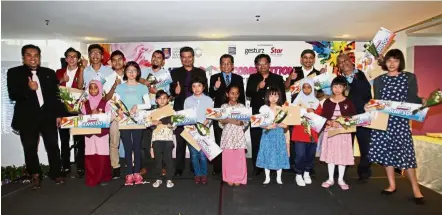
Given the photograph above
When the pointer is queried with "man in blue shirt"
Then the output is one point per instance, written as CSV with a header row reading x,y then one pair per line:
x,y
95,71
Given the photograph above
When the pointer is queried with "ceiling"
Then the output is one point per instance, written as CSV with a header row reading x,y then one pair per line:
x,y
211,20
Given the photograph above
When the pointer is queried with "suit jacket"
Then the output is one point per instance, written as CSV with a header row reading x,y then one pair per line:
x,y
60,73
26,102
219,95
300,75
180,75
359,91
257,97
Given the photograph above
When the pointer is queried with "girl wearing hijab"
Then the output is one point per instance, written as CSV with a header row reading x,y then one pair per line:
x,y
305,138
97,160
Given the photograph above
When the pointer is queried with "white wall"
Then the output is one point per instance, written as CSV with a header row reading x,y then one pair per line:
x,y
52,51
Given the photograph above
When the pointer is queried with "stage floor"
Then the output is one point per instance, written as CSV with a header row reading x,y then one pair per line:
x,y
214,198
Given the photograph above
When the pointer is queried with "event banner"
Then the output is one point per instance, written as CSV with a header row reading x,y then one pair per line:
x,y
400,109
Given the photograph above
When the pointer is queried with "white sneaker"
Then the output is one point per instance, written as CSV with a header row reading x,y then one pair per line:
x,y
307,178
157,183
299,181
267,181
170,184
278,180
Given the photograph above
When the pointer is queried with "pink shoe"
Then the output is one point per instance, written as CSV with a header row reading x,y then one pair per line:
x,y
327,184
129,180
138,178
344,186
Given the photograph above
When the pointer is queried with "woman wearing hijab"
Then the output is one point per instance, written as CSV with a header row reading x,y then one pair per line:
x,y
304,137
97,160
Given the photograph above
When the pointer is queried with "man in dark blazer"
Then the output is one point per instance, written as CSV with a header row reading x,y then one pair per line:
x,y
180,89
360,94
257,84
217,91
37,111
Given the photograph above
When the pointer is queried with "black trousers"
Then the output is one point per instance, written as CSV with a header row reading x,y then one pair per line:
x,y
255,136
163,154
363,135
180,150
217,162
79,145
146,142
29,136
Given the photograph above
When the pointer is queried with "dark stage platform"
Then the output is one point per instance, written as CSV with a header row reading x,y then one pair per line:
x,y
217,198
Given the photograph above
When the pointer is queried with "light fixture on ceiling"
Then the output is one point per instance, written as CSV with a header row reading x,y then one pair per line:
x,y
345,36
213,35
94,38
257,17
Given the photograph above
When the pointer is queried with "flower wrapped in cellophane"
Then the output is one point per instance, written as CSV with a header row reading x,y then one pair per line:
x,y
346,122
434,99
72,101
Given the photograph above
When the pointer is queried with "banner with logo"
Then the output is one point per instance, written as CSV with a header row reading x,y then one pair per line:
x,y
284,55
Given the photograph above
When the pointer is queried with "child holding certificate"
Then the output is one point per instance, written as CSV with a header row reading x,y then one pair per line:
x,y
97,160
305,138
233,143
337,150
273,154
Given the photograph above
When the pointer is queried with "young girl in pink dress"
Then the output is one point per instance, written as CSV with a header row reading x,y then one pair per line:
x,y
337,150
233,143
97,160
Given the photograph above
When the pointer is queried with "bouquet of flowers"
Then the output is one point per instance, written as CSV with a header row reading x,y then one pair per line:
x,y
72,104
371,48
346,122
202,129
280,116
184,117
307,129
118,104
434,99
152,79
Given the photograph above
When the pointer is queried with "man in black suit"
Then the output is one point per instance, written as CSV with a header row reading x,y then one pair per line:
x,y
37,111
360,94
218,89
180,89
257,85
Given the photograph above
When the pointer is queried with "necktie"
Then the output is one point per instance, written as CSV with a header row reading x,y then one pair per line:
x,y
227,80
38,91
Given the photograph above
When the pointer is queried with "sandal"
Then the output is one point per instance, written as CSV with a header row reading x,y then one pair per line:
x,y
344,186
327,184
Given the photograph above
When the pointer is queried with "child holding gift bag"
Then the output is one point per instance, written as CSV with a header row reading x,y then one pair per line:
x,y
233,143
136,97
337,150
305,140
97,159
201,102
273,152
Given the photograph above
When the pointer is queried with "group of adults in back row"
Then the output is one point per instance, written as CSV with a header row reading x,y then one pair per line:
x,y
38,109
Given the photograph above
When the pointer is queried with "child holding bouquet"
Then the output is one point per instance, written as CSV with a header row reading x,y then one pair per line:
x,y
97,160
304,137
273,152
135,96
337,150
233,143
201,102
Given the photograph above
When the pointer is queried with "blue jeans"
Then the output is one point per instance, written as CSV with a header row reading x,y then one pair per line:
x,y
132,142
199,161
305,155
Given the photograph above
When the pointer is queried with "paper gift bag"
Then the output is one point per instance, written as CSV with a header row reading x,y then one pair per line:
x,y
186,135
379,121
162,112
293,115
337,131
85,131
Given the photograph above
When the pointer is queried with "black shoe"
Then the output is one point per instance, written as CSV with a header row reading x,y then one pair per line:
x,y
116,173
178,173
256,171
214,173
362,180
80,173
59,180
388,193
419,201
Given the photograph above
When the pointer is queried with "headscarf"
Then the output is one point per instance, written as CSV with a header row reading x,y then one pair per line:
x,y
94,101
309,101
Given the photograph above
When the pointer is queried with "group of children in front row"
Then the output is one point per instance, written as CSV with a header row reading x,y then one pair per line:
x,y
273,152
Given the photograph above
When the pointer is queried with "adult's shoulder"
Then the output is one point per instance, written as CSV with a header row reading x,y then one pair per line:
x,y
17,68
236,75
409,74
45,69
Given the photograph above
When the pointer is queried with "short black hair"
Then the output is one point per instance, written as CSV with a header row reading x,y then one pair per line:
x,y
187,49
266,56
159,52
395,54
95,46
160,93
226,56
308,51
30,46
273,91
72,50
197,80
339,80
134,64
117,53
